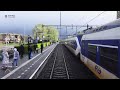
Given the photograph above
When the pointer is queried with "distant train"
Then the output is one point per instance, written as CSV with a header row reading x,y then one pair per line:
x,y
99,50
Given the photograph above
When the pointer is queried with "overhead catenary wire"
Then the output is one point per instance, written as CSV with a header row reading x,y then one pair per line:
x,y
93,18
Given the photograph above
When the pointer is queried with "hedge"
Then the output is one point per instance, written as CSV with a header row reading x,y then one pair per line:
x,y
45,44
25,48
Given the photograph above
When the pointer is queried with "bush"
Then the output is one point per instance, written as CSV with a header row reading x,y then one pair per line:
x,y
25,48
45,44
38,45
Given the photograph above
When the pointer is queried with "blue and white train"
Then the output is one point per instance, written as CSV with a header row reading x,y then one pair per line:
x,y
99,50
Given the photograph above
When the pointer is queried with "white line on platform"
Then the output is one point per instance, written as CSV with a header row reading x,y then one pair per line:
x,y
31,65
22,73
41,64
4,77
19,77
25,70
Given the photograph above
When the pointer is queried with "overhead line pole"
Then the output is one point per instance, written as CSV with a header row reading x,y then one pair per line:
x,y
60,23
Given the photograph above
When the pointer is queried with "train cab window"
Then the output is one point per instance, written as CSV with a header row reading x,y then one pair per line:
x,y
72,44
92,52
109,58
101,28
105,27
82,47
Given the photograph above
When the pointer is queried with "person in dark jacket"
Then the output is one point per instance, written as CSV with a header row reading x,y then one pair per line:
x,y
41,47
21,51
35,48
29,51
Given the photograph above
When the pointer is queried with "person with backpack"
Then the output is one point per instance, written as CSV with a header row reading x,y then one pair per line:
x,y
16,58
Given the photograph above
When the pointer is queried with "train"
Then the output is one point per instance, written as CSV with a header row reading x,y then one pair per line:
x,y
99,49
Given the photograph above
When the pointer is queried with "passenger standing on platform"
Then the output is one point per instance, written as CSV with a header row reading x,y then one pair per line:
x,y
21,51
29,51
41,47
35,47
15,58
5,60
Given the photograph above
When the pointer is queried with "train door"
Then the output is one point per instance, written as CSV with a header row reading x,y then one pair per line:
x,y
82,50
79,43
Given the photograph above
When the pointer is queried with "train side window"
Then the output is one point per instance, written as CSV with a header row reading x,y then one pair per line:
x,y
109,58
92,52
83,44
82,47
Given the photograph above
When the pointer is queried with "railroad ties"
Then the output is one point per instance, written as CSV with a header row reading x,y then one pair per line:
x,y
62,64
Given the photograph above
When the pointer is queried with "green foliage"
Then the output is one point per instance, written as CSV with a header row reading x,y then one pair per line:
x,y
45,44
38,45
49,33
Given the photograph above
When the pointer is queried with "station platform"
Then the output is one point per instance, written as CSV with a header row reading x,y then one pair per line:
x,y
56,62
26,68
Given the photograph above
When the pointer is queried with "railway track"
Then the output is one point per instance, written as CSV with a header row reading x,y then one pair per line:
x,y
56,67
62,64
59,68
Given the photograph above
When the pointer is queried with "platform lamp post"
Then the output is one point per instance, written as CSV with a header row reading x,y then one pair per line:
x,y
37,38
87,26
29,40
60,24
76,30
24,34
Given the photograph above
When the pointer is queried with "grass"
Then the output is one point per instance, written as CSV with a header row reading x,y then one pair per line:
x,y
10,44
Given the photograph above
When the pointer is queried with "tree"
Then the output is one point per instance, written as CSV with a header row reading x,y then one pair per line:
x,y
49,33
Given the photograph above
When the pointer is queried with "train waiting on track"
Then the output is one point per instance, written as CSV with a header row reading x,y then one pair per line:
x,y
99,49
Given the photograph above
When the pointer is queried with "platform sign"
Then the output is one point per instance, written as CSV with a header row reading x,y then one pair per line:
x,y
9,16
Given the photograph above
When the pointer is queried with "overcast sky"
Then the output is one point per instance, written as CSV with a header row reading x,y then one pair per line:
x,y
31,18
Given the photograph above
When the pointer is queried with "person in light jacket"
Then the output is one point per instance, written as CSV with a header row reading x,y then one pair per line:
x,y
5,60
16,57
